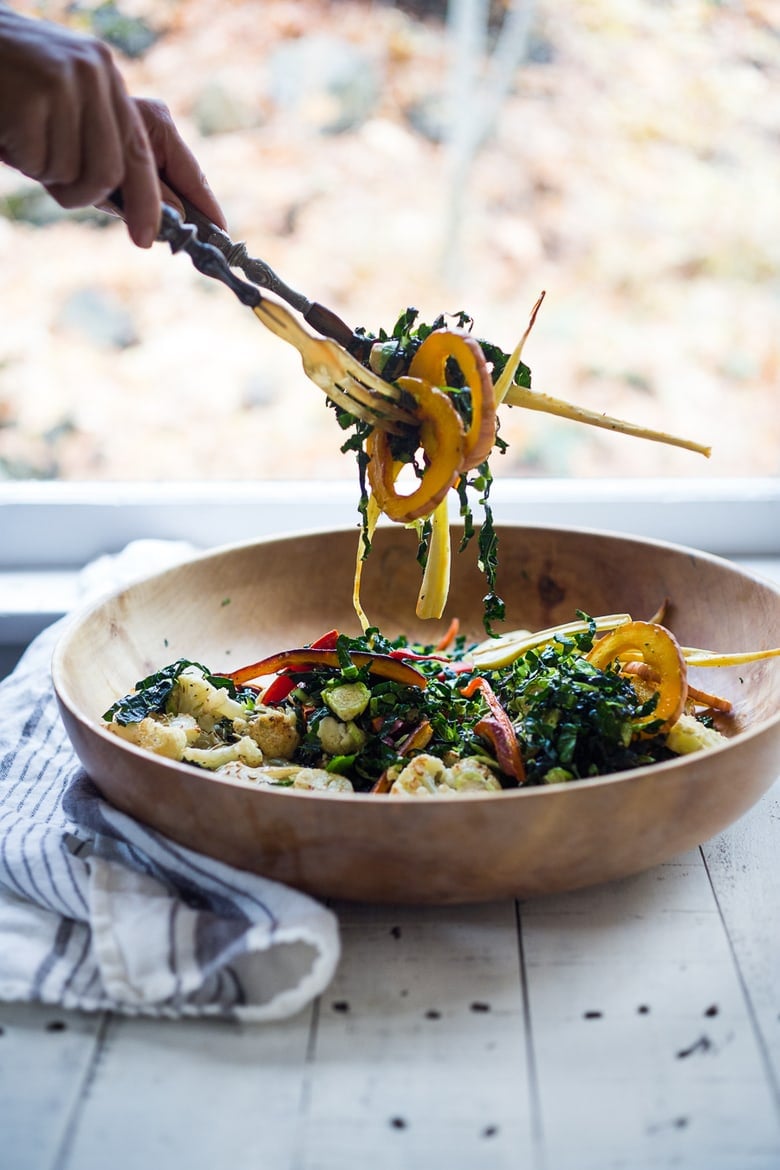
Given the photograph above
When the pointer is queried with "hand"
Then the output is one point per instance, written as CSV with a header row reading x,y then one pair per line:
x,y
67,121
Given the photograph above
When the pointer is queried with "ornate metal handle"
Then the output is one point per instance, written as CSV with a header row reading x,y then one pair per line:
x,y
183,237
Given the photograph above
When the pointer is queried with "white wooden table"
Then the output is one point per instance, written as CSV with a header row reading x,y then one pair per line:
x,y
635,1025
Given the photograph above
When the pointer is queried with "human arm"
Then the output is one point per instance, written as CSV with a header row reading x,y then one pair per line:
x,y
67,121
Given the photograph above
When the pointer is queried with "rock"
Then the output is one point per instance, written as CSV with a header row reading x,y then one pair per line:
x,y
329,83
217,110
99,317
32,205
429,117
131,35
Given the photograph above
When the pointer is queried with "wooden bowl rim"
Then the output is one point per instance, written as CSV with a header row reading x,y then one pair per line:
x,y
79,617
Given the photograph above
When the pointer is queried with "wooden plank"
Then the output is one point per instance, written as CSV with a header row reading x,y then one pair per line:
x,y
46,1056
200,1095
420,1058
644,1045
743,869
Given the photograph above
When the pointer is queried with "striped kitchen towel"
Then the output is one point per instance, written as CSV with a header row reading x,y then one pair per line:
x,y
100,913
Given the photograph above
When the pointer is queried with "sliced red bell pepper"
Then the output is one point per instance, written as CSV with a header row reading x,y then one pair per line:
x,y
498,730
282,685
326,641
306,658
278,690
412,656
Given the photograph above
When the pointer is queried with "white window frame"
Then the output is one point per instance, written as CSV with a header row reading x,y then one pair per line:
x,y
50,530
55,525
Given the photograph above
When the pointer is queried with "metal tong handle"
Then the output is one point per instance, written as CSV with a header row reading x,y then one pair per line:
x,y
183,237
213,253
324,320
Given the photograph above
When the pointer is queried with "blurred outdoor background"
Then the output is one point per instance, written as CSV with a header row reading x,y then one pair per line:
x,y
623,155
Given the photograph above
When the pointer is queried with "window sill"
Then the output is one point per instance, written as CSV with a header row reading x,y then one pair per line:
x,y
51,530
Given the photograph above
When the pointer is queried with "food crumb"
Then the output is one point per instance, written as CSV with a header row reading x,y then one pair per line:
x,y
703,1044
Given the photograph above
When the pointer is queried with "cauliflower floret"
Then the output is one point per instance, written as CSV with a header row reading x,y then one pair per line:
x,y
163,736
689,735
318,780
273,730
193,694
311,779
237,770
244,750
420,777
427,776
338,738
470,775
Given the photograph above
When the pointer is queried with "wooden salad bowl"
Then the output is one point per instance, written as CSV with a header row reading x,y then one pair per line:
x,y
230,607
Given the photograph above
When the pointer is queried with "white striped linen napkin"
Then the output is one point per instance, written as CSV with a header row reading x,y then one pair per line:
x,y
97,912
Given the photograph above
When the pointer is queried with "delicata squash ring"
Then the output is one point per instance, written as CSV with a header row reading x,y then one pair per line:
x,y
430,363
655,646
449,448
442,441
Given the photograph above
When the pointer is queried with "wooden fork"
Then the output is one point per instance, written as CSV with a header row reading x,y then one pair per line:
x,y
327,363
345,381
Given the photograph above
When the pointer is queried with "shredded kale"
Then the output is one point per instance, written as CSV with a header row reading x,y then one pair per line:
x,y
572,720
151,694
396,351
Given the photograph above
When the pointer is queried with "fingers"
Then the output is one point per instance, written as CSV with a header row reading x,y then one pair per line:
x,y
86,156
112,151
140,183
176,162
66,120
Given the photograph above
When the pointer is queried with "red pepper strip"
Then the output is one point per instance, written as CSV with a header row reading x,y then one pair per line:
x,y
326,641
278,690
498,730
282,685
414,657
306,658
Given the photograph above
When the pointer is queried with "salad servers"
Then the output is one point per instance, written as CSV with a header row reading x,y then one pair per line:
x,y
326,361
